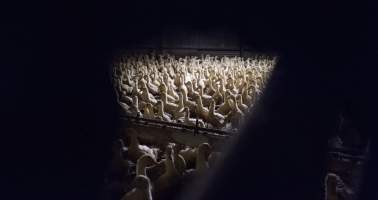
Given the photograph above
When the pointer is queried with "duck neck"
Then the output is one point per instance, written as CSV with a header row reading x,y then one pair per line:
x,y
200,105
187,114
211,109
240,100
136,86
164,98
141,168
184,77
128,78
211,83
136,103
222,89
190,88
184,96
232,83
236,107
201,91
225,98
169,165
148,79
181,101
161,109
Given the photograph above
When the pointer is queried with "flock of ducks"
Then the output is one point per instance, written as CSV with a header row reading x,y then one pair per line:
x,y
209,92
155,173
213,92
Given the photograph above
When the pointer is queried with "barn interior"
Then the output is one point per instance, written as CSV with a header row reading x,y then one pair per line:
x,y
309,134
189,89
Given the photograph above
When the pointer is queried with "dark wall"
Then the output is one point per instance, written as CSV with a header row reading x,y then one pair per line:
x,y
216,38
191,38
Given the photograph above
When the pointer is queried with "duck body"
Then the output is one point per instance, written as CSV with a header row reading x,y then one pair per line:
x,y
235,116
201,110
147,96
161,114
189,155
171,108
142,190
136,150
191,121
215,119
170,176
202,154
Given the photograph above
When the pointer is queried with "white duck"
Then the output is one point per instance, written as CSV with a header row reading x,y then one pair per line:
x,y
201,110
189,154
215,119
211,89
136,91
136,150
143,163
222,88
191,92
134,109
202,155
171,108
146,95
124,87
217,96
241,105
151,87
231,85
171,91
128,79
235,116
123,97
188,103
191,121
179,161
246,97
225,107
179,113
161,114
182,86
206,99
170,176
163,89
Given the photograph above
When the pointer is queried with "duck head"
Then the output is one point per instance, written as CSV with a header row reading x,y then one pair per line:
x,y
204,149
